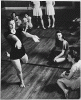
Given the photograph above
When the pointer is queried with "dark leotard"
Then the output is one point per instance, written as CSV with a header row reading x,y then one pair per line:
x,y
15,53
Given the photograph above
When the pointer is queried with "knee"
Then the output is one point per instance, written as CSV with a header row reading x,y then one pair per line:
x,y
25,61
55,60
58,81
48,17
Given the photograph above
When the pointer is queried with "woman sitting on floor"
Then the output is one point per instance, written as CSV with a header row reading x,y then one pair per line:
x,y
18,22
73,78
60,52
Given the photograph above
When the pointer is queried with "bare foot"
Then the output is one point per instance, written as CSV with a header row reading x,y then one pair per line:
x,y
43,27
52,26
66,93
38,27
49,26
22,85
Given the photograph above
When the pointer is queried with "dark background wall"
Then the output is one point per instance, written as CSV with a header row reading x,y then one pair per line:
x,y
29,3
62,16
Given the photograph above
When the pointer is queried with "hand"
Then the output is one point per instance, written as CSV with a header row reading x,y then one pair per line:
x,y
18,44
8,55
36,38
62,75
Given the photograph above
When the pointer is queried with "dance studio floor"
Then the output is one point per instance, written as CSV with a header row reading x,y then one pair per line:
x,y
40,78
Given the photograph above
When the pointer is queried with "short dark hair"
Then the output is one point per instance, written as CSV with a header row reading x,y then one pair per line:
x,y
73,55
12,13
7,22
59,31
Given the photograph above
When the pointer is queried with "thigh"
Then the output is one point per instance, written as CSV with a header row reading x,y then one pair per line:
x,y
25,58
17,64
65,81
60,59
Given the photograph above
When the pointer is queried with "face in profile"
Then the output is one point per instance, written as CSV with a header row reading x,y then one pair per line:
x,y
13,14
17,17
26,15
59,36
11,24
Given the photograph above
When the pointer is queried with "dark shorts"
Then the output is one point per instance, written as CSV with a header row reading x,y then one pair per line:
x,y
17,53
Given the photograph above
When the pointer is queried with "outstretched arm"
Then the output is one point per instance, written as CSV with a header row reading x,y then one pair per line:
x,y
34,37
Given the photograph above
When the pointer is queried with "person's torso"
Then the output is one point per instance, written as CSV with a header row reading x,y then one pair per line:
x,y
18,34
36,4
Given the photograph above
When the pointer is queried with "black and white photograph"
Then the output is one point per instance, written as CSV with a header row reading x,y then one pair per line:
x,y
40,49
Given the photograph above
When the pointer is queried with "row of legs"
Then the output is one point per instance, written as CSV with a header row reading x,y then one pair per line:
x,y
49,21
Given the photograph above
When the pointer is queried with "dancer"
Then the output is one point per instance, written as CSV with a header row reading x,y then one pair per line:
x,y
18,22
27,23
50,12
73,78
29,19
37,12
13,16
14,37
60,52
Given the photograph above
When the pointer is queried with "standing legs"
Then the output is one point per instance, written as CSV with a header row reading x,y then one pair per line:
x,y
18,68
53,21
49,21
42,22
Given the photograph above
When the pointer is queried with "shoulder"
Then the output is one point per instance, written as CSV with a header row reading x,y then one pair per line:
x,y
74,66
65,42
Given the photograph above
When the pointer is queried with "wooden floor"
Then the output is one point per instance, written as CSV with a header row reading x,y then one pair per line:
x,y
40,80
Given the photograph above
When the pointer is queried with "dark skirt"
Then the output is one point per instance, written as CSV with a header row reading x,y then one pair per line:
x,y
17,53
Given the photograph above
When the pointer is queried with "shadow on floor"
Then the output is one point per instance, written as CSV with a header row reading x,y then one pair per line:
x,y
5,84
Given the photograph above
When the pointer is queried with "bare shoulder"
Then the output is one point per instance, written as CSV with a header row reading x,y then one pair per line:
x,y
65,42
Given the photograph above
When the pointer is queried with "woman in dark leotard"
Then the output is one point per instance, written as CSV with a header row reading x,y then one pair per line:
x,y
60,52
14,37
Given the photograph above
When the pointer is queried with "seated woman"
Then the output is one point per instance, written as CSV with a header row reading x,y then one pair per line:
x,y
26,22
60,52
73,78
13,16
14,38
18,22
29,20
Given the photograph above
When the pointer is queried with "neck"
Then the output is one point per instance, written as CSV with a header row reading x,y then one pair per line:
x,y
61,39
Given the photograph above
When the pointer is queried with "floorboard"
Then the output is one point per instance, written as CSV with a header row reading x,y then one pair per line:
x,y
40,81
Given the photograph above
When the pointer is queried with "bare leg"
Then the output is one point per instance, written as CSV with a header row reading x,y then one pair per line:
x,y
53,21
60,60
49,21
25,58
18,68
38,23
42,22
61,85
